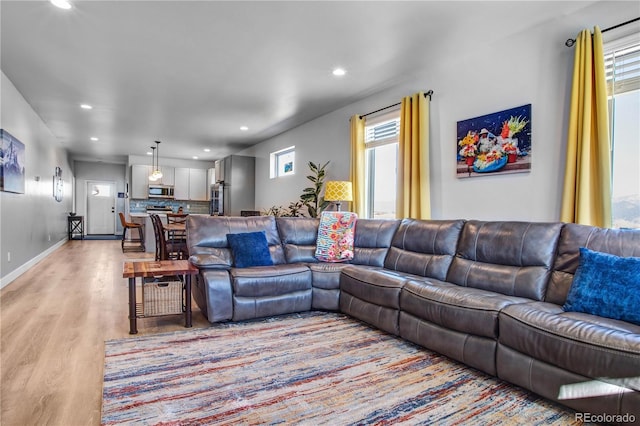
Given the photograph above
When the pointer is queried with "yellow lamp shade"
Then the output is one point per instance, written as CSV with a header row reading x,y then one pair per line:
x,y
338,190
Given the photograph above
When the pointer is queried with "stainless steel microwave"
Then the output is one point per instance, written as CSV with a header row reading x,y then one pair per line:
x,y
161,191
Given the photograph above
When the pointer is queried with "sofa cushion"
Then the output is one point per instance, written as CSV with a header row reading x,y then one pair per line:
x,y
372,240
512,258
619,242
468,310
249,249
326,275
378,286
585,344
606,285
335,236
298,236
262,281
424,247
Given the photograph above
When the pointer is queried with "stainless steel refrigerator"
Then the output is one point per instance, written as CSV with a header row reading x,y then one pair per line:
x,y
234,190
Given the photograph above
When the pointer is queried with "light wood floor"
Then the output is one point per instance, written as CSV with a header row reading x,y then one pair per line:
x,y
54,320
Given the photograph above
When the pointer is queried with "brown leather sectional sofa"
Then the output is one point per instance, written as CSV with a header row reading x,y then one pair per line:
x,y
488,294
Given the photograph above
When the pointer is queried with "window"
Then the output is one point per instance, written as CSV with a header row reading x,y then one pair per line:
x,y
622,64
381,160
282,162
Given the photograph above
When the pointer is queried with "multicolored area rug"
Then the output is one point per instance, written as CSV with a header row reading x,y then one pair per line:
x,y
314,368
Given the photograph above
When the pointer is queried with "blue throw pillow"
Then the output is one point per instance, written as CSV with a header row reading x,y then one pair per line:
x,y
607,286
250,249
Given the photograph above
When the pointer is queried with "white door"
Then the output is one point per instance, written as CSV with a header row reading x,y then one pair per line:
x,y
101,208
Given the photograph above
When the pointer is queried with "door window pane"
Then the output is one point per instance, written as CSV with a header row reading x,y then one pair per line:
x,y
101,190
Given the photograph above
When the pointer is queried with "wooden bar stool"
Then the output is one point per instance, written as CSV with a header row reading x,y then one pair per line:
x,y
135,244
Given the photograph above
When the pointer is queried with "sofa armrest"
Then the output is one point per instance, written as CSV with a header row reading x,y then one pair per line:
x,y
217,294
209,261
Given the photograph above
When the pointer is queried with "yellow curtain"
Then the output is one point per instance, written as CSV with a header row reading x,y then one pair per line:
x,y
587,182
356,175
413,197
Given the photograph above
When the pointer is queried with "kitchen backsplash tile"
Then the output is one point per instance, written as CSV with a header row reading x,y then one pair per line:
x,y
195,207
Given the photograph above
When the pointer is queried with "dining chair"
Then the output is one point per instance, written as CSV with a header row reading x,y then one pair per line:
x,y
177,217
135,244
166,250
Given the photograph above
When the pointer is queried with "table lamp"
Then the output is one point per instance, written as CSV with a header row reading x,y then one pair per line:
x,y
338,191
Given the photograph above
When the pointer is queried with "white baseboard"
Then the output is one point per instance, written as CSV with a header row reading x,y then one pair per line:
x,y
7,279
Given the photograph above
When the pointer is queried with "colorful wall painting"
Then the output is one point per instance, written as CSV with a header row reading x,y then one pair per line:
x,y
497,143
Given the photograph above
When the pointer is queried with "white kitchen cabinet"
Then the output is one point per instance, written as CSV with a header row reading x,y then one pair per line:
x,y
198,187
181,183
190,184
139,181
168,176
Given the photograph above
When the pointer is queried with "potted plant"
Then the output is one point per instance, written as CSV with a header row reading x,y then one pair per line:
x,y
310,198
311,195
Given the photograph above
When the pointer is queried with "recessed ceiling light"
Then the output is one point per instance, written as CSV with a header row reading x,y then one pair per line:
x,y
62,4
93,138
207,150
339,72
149,153
195,157
86,106
244,128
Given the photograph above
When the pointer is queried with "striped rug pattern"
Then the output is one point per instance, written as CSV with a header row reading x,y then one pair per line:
x,y
314,368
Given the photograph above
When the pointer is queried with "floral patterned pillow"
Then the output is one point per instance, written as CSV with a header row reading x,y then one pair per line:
x,y
335,236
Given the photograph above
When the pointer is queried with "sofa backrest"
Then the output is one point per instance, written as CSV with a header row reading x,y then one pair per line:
x,y
298,236
207,235
618,242
372,238
424,247
512,258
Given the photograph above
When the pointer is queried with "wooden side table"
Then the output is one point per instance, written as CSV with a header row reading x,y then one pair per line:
x,y
133,270
75,226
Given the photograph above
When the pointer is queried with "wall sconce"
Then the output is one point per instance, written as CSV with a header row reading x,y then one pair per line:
x,y
338,191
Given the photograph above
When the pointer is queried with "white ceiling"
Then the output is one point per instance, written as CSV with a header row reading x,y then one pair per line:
x,y
190,73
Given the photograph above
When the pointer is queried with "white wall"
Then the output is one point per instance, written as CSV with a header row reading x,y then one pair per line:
x,y
532,66
32,223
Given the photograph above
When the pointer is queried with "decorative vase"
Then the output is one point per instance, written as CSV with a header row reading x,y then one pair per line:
x,y
511,158
470,160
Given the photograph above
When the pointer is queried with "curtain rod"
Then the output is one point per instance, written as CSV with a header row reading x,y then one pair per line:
x,y
571,41
427,93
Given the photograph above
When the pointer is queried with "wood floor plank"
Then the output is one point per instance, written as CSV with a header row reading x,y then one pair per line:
x,y
54,320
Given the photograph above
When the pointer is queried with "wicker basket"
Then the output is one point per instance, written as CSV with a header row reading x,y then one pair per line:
x,y
162,296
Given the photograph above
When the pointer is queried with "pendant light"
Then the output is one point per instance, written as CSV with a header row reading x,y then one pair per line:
x,y
152,177
156,174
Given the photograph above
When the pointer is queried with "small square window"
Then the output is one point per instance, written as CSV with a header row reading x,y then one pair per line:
x,y
283,162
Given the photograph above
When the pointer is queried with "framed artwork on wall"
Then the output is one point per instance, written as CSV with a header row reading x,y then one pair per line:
x,y
496,143
12,156
58,184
